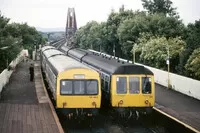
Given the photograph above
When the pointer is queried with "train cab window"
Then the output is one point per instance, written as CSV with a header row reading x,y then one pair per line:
x,y
146,85
66,87
92,87
79,87
121,85
134,85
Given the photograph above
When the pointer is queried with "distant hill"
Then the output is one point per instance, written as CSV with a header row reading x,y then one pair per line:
x,y
56,35
62,29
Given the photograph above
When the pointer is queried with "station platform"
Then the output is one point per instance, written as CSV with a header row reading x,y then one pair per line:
x,y
25,106
184,108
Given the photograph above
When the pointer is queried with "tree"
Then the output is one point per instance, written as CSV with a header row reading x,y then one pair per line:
x,y
155,24
193,64
9,46
111,26
160,6
13,30
85,36
191,36
154,51
129,30
101,38
94,36
14,37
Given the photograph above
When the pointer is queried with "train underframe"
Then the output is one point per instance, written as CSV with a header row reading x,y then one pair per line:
x,y
132,112
80,113
125,112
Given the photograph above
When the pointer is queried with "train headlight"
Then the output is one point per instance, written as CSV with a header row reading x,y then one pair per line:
x,y
120,102
146,101
64,104
94,104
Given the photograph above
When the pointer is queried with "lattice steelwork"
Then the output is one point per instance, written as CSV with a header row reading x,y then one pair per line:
x,y
71,26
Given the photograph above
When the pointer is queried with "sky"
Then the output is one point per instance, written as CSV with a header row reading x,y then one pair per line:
x,y
53,13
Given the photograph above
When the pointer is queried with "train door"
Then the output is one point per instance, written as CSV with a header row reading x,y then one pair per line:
x,y
147,97
105,83
107,88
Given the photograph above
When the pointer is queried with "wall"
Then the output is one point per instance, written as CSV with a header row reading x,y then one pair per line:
x,y
178,83
5,74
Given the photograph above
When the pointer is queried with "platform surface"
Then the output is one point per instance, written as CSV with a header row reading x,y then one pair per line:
x,y
180,106
23,108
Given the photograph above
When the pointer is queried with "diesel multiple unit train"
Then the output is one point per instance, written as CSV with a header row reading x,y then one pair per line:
x,y
126,88
75,87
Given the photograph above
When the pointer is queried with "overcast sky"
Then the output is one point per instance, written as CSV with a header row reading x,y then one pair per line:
x,y
53,13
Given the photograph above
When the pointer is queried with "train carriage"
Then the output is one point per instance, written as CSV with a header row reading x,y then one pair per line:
x,y
43,49
75,87
126,87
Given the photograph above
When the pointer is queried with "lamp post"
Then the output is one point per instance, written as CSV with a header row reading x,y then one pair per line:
x,y
91,46
131,42
134,51
143,50
168,65
114,50
134,54
35,51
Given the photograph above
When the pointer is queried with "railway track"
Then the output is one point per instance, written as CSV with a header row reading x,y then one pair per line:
x,y
107,124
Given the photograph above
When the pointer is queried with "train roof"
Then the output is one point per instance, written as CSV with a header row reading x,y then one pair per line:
x,y
47,47
52,52
114,66
106,63
60,62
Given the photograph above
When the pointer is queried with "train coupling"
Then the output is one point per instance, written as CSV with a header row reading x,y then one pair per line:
x,y
70,115
89,114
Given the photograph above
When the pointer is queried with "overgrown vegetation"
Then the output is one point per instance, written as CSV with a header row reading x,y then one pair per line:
x,y
13,38
152,32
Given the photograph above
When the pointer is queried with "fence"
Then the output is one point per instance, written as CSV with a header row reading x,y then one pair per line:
x,y
6,73
178,83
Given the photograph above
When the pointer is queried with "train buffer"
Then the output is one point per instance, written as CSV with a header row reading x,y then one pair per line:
x,y
181,108
25,106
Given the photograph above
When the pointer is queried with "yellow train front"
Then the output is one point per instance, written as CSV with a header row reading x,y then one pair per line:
x,y
128,89
132,93
76,88
78,94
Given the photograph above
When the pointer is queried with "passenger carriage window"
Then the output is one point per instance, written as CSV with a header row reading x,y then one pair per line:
x,y
66,87
79,87
146,85
92,87
121,85
134,85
